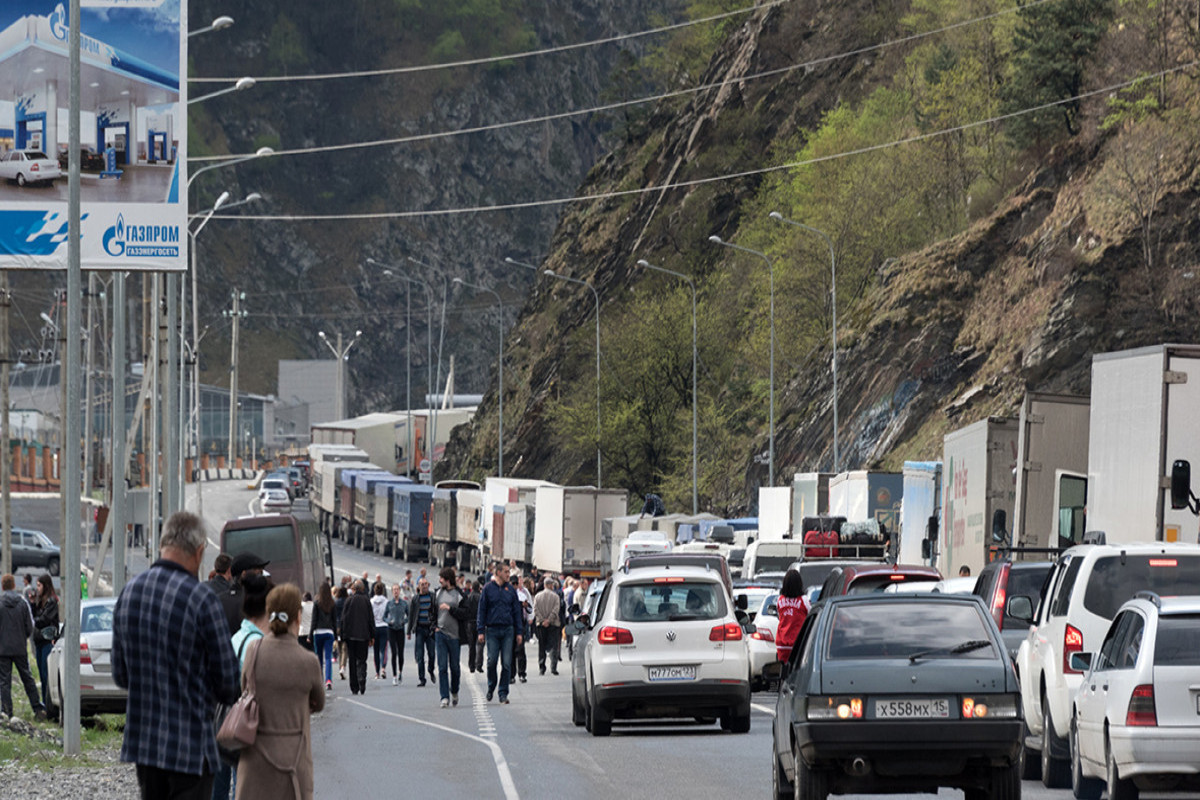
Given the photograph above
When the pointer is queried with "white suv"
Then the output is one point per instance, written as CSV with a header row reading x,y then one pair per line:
x,y
1136,716
1082,594
665,641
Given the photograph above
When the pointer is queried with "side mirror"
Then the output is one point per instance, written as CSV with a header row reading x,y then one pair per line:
x,y
1181,484
926,549
742,602
1081,662
1020,608
999,526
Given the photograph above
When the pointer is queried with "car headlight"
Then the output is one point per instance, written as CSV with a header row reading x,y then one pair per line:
x,y
828,708
989,706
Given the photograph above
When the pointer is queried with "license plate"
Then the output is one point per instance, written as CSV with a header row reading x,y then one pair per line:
x,y
673,673
928,708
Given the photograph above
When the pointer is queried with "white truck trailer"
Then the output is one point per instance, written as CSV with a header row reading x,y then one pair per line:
x,y
774,513
810,497
978,462
1051,481
568,529
373,433
922,502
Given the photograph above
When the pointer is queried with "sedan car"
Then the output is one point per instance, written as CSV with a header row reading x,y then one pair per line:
x,y
1135,722
28,166
34,549
89,159
274,499
664,642
98,692
898,693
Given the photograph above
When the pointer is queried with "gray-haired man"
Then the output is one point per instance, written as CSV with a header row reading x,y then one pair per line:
x,y
546,606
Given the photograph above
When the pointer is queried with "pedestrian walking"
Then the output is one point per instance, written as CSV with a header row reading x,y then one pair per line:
x,y
306,609
242,565
358,631
171,651
343,653
422,618
525,598
252,628
407,587
16,626
45,631
474,650
287,686
378,606
500,624
28,589
325,630
395,614
451,619
546,608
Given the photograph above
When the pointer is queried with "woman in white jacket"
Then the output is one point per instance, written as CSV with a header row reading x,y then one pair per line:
x,y
379,606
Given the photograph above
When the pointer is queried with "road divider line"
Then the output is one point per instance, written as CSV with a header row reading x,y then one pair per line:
x,y
763,709
506,779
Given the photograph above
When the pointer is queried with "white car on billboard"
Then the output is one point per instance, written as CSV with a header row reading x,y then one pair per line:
x,y
28,166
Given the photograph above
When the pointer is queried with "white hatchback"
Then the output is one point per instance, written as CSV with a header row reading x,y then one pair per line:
x,y
1136,716
665,642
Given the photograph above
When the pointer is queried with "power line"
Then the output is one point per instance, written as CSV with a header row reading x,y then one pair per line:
x,y
714,179
473,62
561,115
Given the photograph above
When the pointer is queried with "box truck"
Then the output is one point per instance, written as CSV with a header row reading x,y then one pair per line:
x,y
979,463
774,513
1051,481
861,495
919,510
568,528
373,433
810,497
1143,419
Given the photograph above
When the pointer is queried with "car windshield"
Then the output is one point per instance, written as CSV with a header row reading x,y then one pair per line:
x,y
96,619
34,155
1115,579
870,584
1178,641
664,602
901,628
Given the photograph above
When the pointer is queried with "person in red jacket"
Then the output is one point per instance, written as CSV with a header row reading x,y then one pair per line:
x,y
792,607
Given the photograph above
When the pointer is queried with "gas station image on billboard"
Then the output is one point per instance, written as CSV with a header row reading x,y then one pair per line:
x,y
130,113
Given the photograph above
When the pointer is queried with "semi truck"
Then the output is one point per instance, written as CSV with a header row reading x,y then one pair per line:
x,y
1144,418
319,494
979,463
326,494
500,496
415,452
373,433
774,513
568,529
362,520
1051,480
412,520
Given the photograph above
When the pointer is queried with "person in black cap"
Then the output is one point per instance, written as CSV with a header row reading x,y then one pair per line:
x,y
231,601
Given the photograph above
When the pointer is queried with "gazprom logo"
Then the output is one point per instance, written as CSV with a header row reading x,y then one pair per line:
x,y
141,241
58,23
114,238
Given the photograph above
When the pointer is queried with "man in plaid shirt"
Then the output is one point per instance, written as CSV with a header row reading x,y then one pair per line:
x,y
171,650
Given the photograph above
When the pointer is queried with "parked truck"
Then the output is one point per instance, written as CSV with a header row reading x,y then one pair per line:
x,y
810,497
568,528
412,520
327,494
861,495
415,453
344,518
366,494
774,513
321,489
920,511
1144,418
373,433
1051,480
499,495
979,462
445,540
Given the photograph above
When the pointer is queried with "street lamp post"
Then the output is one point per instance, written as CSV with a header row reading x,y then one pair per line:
x,y
695,468
235,315
771,269
499,369
341,354
240,85
217,24
775,215
441,341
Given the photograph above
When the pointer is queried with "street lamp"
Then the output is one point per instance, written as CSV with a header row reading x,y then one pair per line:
x,y
499,369
695,469
239,86
441,341
596,296
341,354
775,215
219,23
771,269
261,152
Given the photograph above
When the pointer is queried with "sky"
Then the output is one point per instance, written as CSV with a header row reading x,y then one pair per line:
x,y
151,34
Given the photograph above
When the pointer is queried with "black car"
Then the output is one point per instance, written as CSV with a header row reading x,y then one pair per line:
x,y
1000,584
88,160
898,693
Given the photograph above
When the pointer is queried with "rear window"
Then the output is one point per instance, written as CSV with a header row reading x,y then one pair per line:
x,y
664,602
870,584
1178,641
1024,582
1112,583
773,563
898,629
96,619
274,543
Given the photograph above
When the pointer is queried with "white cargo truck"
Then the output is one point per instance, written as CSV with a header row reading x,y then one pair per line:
x,y
1144,417
568,529
373,433
810,498
861,495
922,502
1051,481
774,513
979,463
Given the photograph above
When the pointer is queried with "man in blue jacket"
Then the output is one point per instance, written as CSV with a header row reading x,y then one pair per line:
x,y
500,622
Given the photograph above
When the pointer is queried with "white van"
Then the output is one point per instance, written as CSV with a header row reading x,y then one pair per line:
x,y
641,543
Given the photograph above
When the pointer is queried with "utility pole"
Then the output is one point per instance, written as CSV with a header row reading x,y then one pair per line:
x,y
235,315
155,412
89,389
120,457
5,434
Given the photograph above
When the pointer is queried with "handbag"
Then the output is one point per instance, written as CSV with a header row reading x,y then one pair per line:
x,y
240,726
49,633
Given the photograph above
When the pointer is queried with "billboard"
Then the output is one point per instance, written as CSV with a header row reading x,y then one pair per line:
x,y
133,134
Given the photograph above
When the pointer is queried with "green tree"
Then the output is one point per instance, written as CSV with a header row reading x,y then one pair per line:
x,y
285,45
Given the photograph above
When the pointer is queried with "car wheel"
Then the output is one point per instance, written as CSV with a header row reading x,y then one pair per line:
x,y
739,723
781,789
1031,767
811,783
20,179
1083,788
1118,788
726,722
578,714
601,722
1055,773
52,567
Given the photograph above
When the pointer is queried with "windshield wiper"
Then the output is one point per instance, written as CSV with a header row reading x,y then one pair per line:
x,y
964,647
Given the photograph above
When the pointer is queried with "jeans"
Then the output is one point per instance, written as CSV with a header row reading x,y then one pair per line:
x,y
499,646
448,655
423,646
358,665
323,644
519,662
381,641
548,636
21,662
473,652
43,655
396,646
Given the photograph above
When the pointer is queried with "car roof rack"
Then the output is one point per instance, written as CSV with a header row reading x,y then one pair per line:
x,y
1153,597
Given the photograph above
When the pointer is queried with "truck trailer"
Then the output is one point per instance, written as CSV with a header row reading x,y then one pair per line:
x,y
568,529
978,462
1052,462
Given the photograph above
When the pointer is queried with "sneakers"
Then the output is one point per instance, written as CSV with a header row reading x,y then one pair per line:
x,y
504,701
342,673
395,681
453,699
421,682
445,703
522,679
489,696
329,686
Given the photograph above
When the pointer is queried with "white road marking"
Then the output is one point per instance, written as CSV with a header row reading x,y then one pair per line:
x,y
763,709
506,779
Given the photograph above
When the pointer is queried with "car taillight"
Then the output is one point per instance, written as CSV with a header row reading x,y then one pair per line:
x,y
998,608
614,635
1141,707
85,655
763,635
33,167
729,632
1072,643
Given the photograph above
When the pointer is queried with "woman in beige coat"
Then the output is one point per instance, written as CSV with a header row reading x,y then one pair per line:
x,y
289,687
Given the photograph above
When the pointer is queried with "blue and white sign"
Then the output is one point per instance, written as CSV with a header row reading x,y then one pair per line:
x,y
133,125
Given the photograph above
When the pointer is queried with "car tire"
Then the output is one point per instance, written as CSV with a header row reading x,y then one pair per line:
x,y
781,788
739,723
1055,771
1031,766
1083,788
811,783
52,567
20,179
1118,788
601,722
578,713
